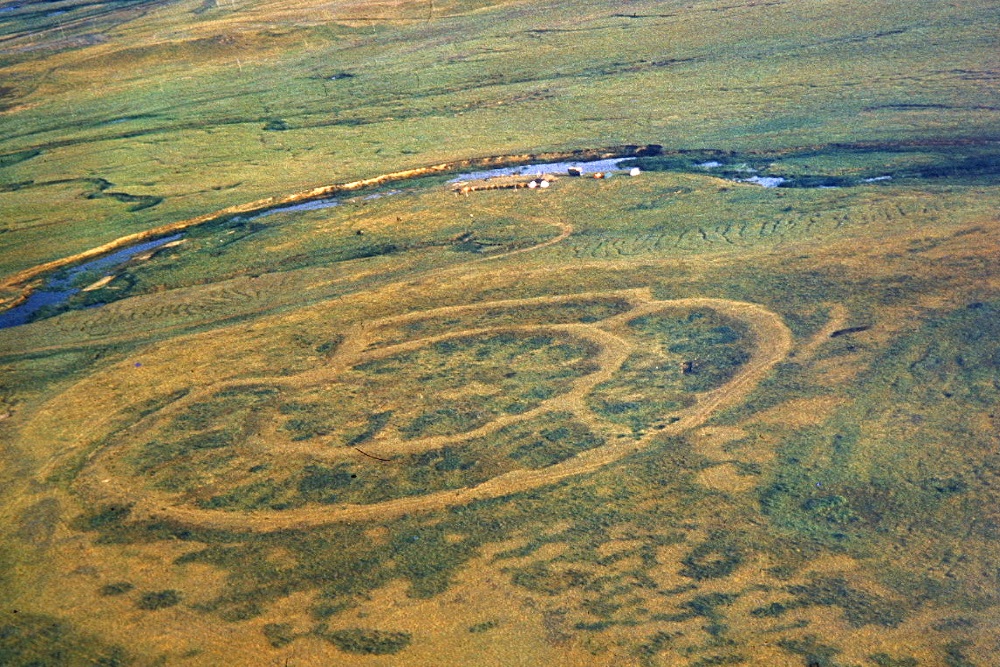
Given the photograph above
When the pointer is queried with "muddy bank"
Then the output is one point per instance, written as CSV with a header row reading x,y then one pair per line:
x,y
22,279
971,161
59,288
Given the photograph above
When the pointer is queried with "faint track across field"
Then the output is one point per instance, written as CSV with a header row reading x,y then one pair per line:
x,y
22,278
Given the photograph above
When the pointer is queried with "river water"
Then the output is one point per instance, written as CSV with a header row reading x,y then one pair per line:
x,y
60,287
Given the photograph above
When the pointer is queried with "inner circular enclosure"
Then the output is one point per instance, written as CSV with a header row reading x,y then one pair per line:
x,y
470,411
250,445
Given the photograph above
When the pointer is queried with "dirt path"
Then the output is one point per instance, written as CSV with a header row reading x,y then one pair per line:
x,y
771,338
836,319
772,343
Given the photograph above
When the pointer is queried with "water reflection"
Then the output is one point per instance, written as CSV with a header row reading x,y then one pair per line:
x,y
60,287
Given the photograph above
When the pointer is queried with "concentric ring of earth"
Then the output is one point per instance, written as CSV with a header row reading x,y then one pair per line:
x,y
103,480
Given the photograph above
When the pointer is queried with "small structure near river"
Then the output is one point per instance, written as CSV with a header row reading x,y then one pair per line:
x,y
504,183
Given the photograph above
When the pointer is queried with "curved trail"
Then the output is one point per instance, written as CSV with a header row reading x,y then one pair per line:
x,y
20,279
613,351
151,305
771,337
772,343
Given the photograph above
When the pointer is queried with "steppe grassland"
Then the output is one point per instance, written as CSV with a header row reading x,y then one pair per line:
x,y
748,452
186,122
809,524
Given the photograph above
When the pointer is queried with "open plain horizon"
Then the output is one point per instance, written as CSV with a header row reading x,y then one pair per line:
x,y
499,333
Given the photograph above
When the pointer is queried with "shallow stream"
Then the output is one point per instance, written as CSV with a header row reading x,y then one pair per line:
x,y
64,284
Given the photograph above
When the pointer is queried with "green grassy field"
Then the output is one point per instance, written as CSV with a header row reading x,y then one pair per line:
x,y
671,419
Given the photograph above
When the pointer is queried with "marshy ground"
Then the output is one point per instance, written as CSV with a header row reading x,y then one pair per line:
x,y
671,419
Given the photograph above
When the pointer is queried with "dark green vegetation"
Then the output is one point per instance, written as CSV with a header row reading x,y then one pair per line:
x,y
485,626
680,354
859,608
353,640
34,640
842,509
709,347
617,529
509,372
279,634
429,551
367,642
497,374
717,557
158,600
813,652
906,446
533,444
117,588
610,524
595,516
